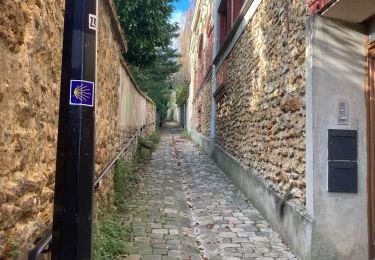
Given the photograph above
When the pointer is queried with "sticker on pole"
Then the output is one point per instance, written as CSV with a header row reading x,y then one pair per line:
x,y
81,93
92,22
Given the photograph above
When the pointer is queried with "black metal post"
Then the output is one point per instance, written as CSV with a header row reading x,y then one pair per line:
x,y
73,205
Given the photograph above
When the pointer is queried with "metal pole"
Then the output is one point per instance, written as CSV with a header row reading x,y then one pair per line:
x,y
73,204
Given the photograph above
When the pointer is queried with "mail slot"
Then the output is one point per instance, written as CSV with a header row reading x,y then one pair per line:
x,y
342,177
342,145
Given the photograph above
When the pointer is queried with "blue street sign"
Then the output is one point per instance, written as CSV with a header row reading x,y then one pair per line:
x,y
82,93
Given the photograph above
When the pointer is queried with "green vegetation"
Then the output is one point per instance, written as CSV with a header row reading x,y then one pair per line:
x,y
111,232
153,79
149,33
155,137
10,250
148,29
182,94
185,134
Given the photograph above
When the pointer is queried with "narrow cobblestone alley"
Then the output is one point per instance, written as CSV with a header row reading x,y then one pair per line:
x,y
187,208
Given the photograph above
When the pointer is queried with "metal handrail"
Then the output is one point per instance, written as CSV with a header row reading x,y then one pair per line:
x,y
40,246
46,240
113,162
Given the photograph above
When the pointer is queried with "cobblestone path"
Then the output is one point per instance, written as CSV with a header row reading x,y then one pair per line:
x,y
187,208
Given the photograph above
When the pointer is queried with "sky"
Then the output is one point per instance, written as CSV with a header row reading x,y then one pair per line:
x,y
181,7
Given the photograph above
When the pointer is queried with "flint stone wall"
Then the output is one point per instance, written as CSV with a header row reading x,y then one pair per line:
x,y
202,108
30,53
261,110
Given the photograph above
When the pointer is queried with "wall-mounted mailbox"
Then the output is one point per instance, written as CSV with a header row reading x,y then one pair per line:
x,y
342,161
342,145
342,177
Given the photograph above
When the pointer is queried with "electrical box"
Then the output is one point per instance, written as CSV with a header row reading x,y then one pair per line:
x,y
342,145
342,161
342,177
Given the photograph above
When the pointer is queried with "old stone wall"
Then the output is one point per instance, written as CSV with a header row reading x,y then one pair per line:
x,y
261,109
30,53
202,109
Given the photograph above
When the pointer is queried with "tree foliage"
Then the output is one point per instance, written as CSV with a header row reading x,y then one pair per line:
x,y
183,75
153,80
148,29
149,33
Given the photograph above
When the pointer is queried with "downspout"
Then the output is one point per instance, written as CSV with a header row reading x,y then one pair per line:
x,y
213,81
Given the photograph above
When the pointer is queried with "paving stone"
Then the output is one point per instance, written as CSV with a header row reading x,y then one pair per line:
x,y
142,239
187,208
160,231
135,257
170,258
232,258
158,241
144,250
174,242
240,240
159,246
160,251
175,253
230,250
231,245
228,235
173,231
152,257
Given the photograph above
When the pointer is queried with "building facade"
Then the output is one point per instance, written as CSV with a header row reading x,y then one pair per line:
x,y
282,98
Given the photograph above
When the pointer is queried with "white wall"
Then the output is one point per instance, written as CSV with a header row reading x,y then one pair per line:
x,y
132,108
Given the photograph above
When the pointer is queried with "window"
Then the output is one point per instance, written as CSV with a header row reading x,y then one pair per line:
x,y
228,13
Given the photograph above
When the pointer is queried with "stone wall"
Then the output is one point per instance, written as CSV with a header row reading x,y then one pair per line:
x,y
30,52
202,108
261,108
201,64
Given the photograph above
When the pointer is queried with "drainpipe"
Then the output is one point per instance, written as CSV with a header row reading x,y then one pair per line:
x,y
213,83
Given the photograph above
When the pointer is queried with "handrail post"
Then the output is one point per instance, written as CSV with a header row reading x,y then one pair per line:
x,y
73,201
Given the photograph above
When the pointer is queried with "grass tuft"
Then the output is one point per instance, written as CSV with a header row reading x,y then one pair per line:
x,y
155,137
10,250
111,233
185,134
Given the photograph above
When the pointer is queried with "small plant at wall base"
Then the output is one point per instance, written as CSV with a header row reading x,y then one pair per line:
x,y
155,137
111,232
150,144
125,180
10,250
185,134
